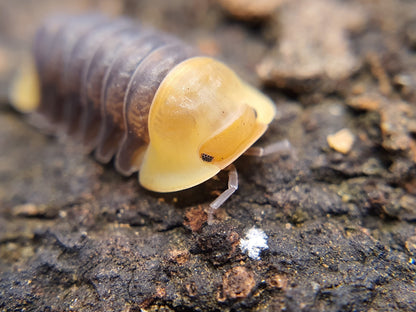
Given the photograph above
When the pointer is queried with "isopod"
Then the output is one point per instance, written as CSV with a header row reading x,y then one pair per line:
x,y
144,98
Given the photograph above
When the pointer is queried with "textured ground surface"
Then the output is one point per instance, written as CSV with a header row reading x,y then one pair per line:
x,y
340,218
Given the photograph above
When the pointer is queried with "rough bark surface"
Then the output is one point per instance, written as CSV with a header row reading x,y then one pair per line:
x,y
340,218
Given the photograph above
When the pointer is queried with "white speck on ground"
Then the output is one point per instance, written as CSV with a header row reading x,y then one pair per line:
x,y
254,242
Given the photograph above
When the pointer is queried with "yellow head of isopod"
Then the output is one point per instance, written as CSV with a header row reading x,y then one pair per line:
x,y
202,118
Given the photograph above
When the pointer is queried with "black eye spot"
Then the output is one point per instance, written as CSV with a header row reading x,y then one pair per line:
x,y
206,157
255,113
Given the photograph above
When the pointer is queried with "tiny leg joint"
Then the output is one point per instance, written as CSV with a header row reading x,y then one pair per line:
x,y
232,187
274,148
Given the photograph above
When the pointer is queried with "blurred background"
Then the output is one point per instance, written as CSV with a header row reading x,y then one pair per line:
x,y
296,45
287,43
204,23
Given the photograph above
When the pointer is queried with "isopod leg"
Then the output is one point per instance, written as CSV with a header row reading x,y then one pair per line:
x,y
274,148
110,137
232,187
130,154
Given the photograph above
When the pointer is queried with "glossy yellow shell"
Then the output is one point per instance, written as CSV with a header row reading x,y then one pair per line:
x,y
202,118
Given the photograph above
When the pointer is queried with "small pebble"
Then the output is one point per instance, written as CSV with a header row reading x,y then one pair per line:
x,y
341,141
248,9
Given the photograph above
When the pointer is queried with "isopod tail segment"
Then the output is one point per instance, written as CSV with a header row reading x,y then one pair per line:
x,y
151,102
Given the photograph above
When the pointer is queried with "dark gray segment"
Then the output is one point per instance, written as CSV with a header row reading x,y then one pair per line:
x,y
99,79
51,63
44,38
139,96
114,88
92,81
81,55
42,51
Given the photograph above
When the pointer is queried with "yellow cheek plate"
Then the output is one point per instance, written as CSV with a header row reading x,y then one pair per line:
x,y
223,148
202,118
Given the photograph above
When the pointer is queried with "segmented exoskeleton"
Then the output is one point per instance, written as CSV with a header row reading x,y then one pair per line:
x,y
144,97
90,67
